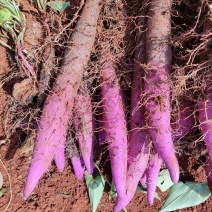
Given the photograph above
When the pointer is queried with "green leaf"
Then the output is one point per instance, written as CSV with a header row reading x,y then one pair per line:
x,y
112,192
95,185
142,189
3,191
59,6
183,195
164,180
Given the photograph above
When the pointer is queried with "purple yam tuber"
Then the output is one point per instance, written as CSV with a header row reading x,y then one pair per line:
x,y
157,83
58,106
82,121
115,126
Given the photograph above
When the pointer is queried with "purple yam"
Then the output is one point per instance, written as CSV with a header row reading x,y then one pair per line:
x,y
78,167
115,126
58,106
83,124
183,121
157,89
152,173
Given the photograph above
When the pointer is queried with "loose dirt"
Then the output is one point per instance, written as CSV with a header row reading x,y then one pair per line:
x,y
4,70
63,192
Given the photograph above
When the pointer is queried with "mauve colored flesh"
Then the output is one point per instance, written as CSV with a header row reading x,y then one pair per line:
x,y
82,121
115,126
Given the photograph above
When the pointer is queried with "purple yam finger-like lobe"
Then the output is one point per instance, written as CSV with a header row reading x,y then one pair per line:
x,y
46,146
115,126
157,89
83,124
58,106
78,166
139,141
152,173
33,176
73,153
158,115
143,179
59,156
138,154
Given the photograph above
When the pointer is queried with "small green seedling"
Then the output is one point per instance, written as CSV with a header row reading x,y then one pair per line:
x,y
13,26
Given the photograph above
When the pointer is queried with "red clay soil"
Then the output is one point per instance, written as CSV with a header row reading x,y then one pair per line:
x,y
63,192
4,70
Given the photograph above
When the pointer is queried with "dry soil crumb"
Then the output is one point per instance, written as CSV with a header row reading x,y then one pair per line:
x,y
24,91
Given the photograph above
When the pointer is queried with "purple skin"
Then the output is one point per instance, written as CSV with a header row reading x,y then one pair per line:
x,y
115,126
139,142
205,118
182,127
59,157
83,124
152,173
101,136
49,142
183,122
157,85
51,133
159,127
143,179
78,167
101,130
